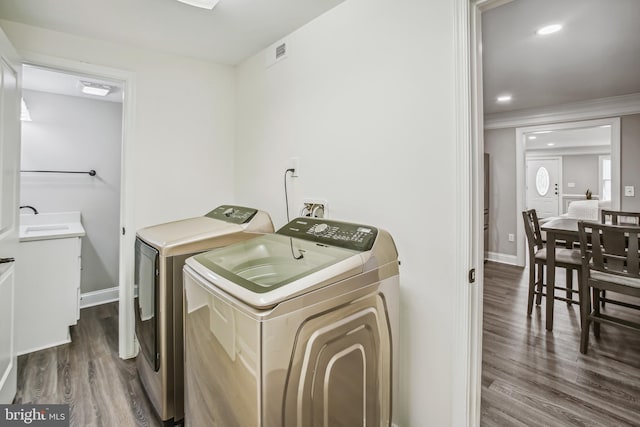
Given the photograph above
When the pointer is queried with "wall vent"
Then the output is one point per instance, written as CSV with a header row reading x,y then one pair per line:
x,y
276,53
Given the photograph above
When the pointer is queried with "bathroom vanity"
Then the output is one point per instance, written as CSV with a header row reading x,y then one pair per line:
x,y
47,298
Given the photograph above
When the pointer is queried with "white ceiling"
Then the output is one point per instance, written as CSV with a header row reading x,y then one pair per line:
x,y
596,55
43,80
234,30
598,136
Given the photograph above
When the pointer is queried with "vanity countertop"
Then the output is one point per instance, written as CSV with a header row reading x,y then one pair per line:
x,y
46,226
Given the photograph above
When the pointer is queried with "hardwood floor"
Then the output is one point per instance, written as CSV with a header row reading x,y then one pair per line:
x,y
101,388
531,377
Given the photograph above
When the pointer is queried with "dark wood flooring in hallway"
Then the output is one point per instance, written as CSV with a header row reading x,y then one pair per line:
x,y
101,389
532,377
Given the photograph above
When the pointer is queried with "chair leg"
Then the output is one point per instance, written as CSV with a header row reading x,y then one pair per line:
x,y
585,309
569,276
540,284
596,312
532,288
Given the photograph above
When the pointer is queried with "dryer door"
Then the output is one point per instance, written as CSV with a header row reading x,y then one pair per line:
x,y
146,303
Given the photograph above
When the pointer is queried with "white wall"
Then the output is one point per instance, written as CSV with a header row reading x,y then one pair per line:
x,y
77,134
184,121
365,99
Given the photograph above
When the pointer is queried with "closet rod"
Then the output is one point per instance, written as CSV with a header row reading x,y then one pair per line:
x,y
91,172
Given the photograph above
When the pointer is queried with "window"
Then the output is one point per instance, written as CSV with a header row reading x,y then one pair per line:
x,y
605,177
542,181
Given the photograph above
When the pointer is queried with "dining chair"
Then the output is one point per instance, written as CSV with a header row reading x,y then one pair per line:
x,y
617,218
611,262
569,259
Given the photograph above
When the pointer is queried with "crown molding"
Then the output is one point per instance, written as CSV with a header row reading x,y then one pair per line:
x,y
584,110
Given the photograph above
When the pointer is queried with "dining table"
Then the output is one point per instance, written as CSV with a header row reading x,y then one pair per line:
x,y
566,230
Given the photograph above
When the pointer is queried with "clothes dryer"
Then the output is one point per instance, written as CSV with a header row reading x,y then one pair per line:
x,y
297,328
160,254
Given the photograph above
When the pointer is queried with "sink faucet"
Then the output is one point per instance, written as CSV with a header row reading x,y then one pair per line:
x,y
35,211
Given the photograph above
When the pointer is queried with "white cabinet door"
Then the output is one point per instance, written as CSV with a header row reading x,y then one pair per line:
x,y
9,184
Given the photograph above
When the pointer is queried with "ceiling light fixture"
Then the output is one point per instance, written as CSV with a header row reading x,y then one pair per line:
x,y
24,111
97,89
203,4
549,29
504,98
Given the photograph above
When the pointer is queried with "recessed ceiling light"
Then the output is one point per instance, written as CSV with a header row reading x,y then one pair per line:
x,y
550,144
549,29
203,4
532,137
504,98
97,89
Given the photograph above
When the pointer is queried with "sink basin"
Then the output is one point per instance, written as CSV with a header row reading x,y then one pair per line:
x,y
55,225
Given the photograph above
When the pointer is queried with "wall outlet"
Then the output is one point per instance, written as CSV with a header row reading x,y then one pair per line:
x,y
294,164
512,237
629,191
315,208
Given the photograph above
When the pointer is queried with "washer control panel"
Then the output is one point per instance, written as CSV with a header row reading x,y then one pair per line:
x,y
344,234
232,214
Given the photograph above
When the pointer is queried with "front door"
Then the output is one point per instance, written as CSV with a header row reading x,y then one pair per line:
x,y
543,186
9,181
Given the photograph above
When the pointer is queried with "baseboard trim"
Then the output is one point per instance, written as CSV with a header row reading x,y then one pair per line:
x,y
103,296
502,258
44,347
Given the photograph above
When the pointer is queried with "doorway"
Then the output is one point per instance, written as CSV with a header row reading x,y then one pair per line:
x,y
126,338
71,162
577,143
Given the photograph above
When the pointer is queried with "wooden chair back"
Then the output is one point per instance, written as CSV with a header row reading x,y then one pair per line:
x,y
532,230
613,248
620,218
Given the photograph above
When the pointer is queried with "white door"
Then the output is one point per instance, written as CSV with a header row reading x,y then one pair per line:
x,y
9,184
543,181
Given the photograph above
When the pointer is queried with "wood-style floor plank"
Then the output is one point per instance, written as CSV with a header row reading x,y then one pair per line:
x,y
100,388
534,377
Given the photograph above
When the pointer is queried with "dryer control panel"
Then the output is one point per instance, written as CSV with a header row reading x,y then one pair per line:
x,y
335,233
232,214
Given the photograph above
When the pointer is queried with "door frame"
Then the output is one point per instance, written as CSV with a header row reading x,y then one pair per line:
x,y
126,335
560,177
520,139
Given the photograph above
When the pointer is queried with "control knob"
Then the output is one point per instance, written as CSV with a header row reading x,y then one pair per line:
x,y
320,228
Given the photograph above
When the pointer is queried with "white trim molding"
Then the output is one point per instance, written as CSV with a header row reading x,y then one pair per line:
x,y
467,317
502,258
103,296
593,109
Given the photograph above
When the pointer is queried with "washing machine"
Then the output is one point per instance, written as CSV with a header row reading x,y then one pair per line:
x,y
296,328
160,252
